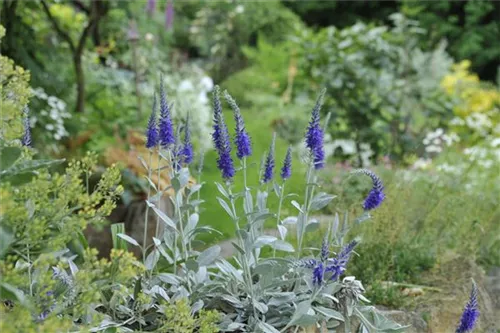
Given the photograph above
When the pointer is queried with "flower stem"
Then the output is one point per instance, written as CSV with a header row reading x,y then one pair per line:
x,y
158,190
146,218
29,270
307,203
278,217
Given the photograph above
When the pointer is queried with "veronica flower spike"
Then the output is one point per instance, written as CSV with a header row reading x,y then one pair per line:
x,y
286,170
376,195
470,314
166,128
221,139
26,140
152,131
269,164
314,134
187,146
242,139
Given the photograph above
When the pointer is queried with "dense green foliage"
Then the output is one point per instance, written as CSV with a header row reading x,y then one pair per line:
x,y
412,88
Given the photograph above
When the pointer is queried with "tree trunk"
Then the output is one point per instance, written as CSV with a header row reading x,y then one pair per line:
x,y
80,83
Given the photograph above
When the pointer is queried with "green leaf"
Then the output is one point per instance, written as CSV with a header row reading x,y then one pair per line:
x,y
10,292
6,238
118,243
28,166
8,156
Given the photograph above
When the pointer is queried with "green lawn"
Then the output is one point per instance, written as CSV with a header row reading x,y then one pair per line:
x,y
258,124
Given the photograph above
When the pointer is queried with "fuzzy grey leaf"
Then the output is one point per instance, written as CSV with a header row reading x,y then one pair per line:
x,y
208,256
321,200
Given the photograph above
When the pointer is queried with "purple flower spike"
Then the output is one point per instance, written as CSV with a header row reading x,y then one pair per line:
x,y
187,146
151,6
376,195
318,274
325,249
166,128
314,134
221,139
470,314
242,139
269,164
152,131
286,170
26,140
338,265
169,15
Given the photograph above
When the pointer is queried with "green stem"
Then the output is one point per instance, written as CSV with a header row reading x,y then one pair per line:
x,y
309,191
146,218
243,260
29,270
158,190
278,218
179,217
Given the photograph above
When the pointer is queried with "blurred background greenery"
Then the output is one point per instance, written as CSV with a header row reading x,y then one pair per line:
x,y
413,88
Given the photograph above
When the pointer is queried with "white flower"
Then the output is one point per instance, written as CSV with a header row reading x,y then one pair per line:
x,y
433,149
149,37
495,142
207,83
239,9
185,85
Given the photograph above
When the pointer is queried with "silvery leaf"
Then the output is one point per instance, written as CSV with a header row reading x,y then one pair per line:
x,y
222,190
329,313
208,256
297,205
264,240
226,207
266,328
192,265
321,200
168,221
261,307
281,245
261,200
238,248
128,239
248,203
197,306
282,231
152,259
312,226
290,220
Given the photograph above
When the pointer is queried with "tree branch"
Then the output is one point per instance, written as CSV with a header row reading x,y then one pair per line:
x,y
78,4
58,29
